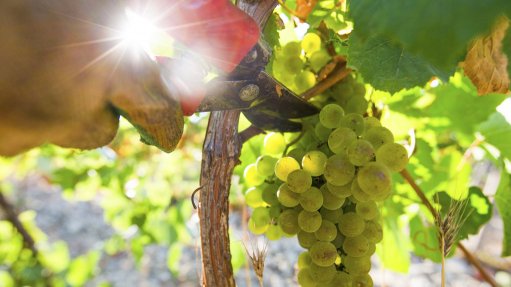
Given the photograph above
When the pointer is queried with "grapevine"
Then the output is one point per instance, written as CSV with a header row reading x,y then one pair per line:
x,y
325,188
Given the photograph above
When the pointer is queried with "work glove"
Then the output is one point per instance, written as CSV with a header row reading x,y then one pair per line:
x,y
65,77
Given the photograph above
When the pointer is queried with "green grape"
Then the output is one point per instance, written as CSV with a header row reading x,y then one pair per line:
x,y
305,80
255,228
354,122
357,105
318,59
304,278
297,153
273,232
372,249
340,139
341,279
254,197
393,155
304,260
287,197
329,200
292,49
306,239
261,216
322,274
379,136
274,143
357,265
285,166
299,181
356,246
338,170
358,194
265,165
351,224
338,240
322,132
374,179
330,116
326,232
323,253
371,122
309,221
373,232
342,191
360,152
269,194
312,199
363,280
311,43
293,64
331,215
368,210
288,221
251,175
359,90
275,211
314,162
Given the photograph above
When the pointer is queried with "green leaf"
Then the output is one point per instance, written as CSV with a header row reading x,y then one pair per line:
x,y
238,257
477,212
503,201
424,240
327,11
459,103
393,250
82,268
270,32
386,65
56,257
6,279
438,31
496,131
173,256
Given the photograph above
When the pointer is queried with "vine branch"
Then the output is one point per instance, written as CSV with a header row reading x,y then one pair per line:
x,y
12,217
470,257
340,72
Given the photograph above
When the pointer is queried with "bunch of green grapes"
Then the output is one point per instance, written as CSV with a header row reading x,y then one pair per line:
x,y
325,189
296,64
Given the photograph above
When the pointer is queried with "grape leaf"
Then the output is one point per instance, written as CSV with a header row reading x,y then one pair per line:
x,y
485,63
386,65
458,102
439,31
496,131
393,250
477,212
503,201
425,240
328,12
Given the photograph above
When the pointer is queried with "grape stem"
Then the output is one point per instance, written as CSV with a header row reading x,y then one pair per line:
x,y
28,241
468,255
340,72
249,133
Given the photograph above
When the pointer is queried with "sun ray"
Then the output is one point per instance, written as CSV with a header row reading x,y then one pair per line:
x,y
86,43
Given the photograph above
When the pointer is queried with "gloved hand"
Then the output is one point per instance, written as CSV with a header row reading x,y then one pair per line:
x,y
65,78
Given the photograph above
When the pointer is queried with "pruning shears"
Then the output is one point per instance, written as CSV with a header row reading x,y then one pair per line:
x,y
219,31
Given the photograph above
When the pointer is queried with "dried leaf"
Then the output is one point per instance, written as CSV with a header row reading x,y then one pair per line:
x,y
485,63
304,8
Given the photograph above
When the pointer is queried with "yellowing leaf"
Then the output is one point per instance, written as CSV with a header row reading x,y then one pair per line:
x,y
485,63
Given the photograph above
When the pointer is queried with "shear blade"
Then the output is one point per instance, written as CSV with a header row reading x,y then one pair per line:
x,y
270,122
279,101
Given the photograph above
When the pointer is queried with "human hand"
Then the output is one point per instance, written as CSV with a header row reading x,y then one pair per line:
x,y
65,78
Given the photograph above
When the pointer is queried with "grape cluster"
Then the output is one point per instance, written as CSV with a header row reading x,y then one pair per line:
x,y
296,63
325,189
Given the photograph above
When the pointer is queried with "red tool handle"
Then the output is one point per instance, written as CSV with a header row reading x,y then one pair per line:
x,y
215,29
